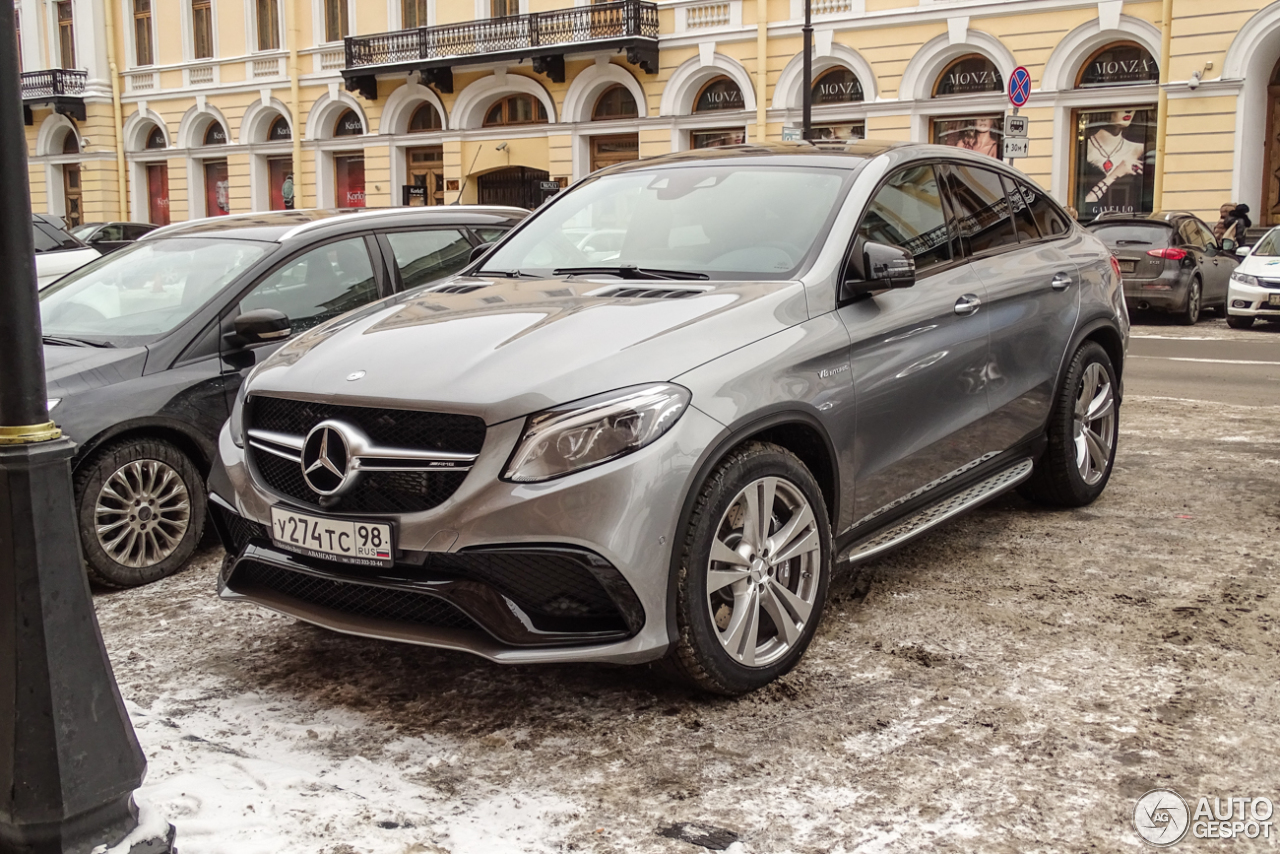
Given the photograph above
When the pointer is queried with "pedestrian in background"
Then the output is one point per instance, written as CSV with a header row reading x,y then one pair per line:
x,y
1223,212
1237,224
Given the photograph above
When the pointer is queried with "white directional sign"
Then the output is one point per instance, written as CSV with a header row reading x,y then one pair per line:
x,y
1015,126
1014,147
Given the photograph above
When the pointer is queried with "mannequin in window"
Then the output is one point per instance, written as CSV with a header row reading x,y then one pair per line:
x,y
1111,156
981,138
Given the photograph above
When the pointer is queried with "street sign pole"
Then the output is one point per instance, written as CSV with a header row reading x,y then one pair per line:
x,y
69,760
1019,94
806,83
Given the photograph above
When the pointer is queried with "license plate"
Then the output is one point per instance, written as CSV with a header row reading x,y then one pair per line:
x,y
1128,266
364,543
1273,299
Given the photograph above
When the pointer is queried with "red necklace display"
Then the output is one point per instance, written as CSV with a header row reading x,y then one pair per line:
x,y
1106,155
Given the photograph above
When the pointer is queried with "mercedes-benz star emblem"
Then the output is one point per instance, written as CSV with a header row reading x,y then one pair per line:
x,y
326,458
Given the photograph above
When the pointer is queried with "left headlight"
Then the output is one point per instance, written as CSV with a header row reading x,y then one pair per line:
x,y
1245,279
588,432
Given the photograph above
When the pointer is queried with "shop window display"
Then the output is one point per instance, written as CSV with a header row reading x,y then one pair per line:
x,y
982,134
1114,161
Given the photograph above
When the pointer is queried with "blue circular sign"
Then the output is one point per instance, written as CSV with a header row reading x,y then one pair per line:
x,y
1019,86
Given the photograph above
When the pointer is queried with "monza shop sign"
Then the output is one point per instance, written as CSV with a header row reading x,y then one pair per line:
x,y
969,74
1119,64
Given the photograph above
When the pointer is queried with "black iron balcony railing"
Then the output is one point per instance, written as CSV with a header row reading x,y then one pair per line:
x,y
619,23
53,83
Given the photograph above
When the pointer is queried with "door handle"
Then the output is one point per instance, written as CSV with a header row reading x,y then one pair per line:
x,y
1061,282
967,304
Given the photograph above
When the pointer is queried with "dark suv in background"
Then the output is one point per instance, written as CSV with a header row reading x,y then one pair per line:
x,y
1170,262
145,350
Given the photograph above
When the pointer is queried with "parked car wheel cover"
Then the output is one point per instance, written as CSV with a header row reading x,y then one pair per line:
x,y
142,513
1094,423
763,572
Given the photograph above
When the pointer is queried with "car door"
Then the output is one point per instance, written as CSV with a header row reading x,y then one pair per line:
x,y
425,255
312,286
918,354
1033,291
1216,266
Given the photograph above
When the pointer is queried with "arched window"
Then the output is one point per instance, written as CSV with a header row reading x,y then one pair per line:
x,y
1118,64
71,142
720,94
279,130
155,139
837,86
215,135
516,110
967,75
348,124
617,102
425,118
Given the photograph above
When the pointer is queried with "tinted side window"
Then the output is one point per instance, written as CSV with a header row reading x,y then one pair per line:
x,y
44,242
907,212
1189,234
318,285
491,235
424,256
1022,218
133,232
55,240
1206,236
981,209
1048,217
115,231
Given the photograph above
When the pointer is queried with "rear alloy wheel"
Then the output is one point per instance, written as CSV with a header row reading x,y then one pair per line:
x,y
1083,429
1191,314
1236,321
141,508
753,573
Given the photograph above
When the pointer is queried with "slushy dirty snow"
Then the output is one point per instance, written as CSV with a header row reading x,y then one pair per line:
x,y
1008,683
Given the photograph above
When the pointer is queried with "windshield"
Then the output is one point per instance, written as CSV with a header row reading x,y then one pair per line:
x,y
83,231
1133,234
143,291
1269,245
721,221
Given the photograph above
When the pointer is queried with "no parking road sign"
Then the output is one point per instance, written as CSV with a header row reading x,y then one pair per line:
x,y
1019,86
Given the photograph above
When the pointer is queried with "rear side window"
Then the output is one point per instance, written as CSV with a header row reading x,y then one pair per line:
x,y
907,212
1026,225
425,256
1049,217
49,239
317,285
133,232
1133,234
982,209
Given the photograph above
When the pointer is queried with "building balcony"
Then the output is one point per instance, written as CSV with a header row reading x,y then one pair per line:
x,y
59,88
543,37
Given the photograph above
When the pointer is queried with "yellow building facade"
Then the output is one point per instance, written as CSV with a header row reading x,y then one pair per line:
x,y
166,110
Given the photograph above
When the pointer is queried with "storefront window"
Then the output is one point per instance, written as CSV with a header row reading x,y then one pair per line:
x,y
279,130
617,102
973,133
608,150
349,171
1118,64
425,118
717,138
280,178
837,86
155,139
348,124
968,75
216,134
1114,160
720,94
426,176
841,130
217,188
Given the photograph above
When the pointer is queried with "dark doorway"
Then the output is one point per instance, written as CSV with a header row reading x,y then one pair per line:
x,y
517,186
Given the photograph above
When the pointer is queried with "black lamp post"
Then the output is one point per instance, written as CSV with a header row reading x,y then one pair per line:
x,y
806,96
69,760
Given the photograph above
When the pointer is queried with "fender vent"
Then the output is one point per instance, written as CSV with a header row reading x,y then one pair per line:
x,y
457,288
648,292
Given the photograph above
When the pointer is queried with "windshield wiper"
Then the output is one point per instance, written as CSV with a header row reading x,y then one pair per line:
x,y
630,271
75,342
506,274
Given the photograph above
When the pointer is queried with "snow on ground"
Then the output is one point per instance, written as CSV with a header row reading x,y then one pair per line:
x,y
1011,682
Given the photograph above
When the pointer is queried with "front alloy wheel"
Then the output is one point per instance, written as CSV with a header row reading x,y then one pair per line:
x,y
1094,425
753,572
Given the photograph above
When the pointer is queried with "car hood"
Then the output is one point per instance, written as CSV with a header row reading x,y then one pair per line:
x,y
1263,266
70,369
503,348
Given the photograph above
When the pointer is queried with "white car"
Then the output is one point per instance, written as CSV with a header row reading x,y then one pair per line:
x,y
57,253
1254,289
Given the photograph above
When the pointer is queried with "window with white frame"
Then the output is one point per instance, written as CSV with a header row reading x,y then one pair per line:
x,y
143,49
268,21
337,23
202,29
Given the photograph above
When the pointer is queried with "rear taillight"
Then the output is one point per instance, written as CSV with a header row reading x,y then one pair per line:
x,y
1170,254
1115,266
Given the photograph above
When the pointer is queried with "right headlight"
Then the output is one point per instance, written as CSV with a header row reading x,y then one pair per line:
x,y
588,432
1245,279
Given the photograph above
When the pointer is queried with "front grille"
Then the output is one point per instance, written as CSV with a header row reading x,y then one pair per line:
x,y
376,492
357,600
234,530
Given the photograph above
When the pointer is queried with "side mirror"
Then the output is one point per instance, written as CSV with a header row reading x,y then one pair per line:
x,y
260,326
479,251
876,267
1242,251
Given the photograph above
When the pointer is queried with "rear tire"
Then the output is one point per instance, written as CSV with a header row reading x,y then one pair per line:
x,y
141,508
1191,314
1083,428
1239,322
753,573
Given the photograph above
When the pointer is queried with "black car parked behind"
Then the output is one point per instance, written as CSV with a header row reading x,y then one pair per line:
x,y
146,348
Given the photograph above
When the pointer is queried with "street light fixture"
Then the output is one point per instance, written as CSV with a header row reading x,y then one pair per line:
x,y
69,759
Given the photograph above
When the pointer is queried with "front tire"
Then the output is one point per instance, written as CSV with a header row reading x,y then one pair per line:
x,y
753,572
1191,314
141,508
1083,428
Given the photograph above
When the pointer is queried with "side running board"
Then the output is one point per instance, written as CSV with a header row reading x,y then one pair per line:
x,y
936,514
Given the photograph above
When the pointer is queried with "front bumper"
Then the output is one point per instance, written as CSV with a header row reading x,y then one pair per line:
x,y
1256,301
615,524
